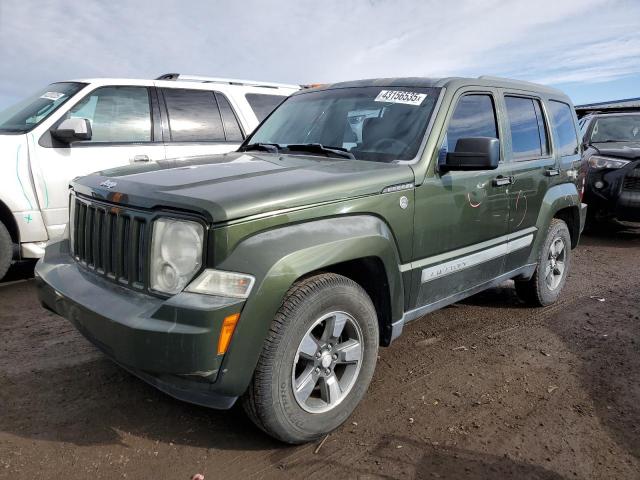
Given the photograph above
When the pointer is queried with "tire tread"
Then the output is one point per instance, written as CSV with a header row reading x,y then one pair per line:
x,y
258,396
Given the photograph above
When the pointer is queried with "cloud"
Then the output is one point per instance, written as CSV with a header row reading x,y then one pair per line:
x,y
308,41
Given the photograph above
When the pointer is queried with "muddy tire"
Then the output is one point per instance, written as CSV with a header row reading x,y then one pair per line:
x,y
317,360
552,269
6,250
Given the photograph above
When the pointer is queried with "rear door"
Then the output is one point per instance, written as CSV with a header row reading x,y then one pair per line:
x,y
530,157
461,216
199,122
125,129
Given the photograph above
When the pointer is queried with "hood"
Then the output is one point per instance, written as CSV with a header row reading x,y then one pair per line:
x,y
236,185
626,150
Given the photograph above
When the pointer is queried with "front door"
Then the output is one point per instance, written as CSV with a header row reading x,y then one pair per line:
x,y
461,217
122,133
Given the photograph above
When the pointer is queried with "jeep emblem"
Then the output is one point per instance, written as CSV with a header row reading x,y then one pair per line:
x,y
108,184
404,202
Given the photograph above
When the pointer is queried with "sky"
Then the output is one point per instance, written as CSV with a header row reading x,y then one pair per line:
x,y
588,48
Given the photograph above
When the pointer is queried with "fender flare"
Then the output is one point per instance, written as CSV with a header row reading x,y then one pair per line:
x,y
279,257
557,198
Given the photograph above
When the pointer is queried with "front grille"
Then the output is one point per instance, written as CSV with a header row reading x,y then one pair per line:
x,y
632,180
111,241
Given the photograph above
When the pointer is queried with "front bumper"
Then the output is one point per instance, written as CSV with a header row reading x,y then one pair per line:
x,y
169,343
619,195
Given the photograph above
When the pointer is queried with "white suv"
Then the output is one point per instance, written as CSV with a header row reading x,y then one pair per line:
x,y
74,128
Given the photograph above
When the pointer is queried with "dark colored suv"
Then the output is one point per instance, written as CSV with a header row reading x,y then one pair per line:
x,y
612,162
273,274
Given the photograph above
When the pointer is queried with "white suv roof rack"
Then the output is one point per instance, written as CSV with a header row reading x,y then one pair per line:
x,y
229,81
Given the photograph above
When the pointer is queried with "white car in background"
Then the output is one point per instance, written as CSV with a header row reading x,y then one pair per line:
x,y
73,128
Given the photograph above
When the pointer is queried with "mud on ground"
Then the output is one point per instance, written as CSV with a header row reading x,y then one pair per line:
x,y
534,394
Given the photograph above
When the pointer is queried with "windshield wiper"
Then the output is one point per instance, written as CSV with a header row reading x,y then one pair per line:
x,y
265,147
319,148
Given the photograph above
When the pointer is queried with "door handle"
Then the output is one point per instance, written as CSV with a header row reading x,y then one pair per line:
x,y
501,181
552,172
140,158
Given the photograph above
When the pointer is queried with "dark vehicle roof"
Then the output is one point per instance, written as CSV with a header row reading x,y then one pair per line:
x,y
630,105
615,113
446,82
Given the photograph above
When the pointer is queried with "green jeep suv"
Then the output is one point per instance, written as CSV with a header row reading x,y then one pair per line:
x,y
273,274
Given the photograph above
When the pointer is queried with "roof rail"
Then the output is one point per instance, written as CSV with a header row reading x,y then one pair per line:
x,y
523,83
228,81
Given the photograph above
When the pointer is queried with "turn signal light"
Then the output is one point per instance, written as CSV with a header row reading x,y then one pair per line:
x,y
226,332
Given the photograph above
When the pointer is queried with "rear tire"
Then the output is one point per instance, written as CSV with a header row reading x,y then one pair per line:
x,y
6,250
317,360
552,269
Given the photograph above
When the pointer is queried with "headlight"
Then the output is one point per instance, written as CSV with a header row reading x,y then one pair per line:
x,y
176,254
224,284
597,161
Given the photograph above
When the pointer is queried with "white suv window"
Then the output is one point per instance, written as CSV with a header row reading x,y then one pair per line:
x,y
262,104
117,114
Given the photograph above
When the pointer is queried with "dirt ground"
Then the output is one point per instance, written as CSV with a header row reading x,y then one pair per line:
x,y
484,389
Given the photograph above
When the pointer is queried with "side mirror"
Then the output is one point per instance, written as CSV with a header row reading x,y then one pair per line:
x,y
474,153
72,130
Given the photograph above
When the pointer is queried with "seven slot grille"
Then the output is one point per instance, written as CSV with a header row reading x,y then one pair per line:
x,y
111,241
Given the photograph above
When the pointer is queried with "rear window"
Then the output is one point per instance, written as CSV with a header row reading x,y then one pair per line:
x,y
193,116
232,130
562,115
528,133
262,105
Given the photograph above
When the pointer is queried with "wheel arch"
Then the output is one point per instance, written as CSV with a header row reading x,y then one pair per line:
x,y
360,247
9,221
561,201
371,275
571,216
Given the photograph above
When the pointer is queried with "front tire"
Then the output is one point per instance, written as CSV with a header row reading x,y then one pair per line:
x,y
6,250
317,361
552,269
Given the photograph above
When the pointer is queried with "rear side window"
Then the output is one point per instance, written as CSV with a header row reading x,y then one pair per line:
x,y
193,116
528,133
474,116
562,116
262,105
232,130
117,114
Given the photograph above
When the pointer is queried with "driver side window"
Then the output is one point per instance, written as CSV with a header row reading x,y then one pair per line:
x,y
474,116
117,114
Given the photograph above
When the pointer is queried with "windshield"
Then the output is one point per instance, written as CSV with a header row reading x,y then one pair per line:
x,y
621,128
28,113
367,123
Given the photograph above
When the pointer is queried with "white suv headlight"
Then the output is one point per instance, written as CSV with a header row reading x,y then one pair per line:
x,y
176,253
598,161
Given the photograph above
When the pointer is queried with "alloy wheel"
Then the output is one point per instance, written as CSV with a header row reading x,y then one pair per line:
x,y
327,362
556,263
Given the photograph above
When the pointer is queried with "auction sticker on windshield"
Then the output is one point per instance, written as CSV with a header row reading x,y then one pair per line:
x,y
398,96
52,96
